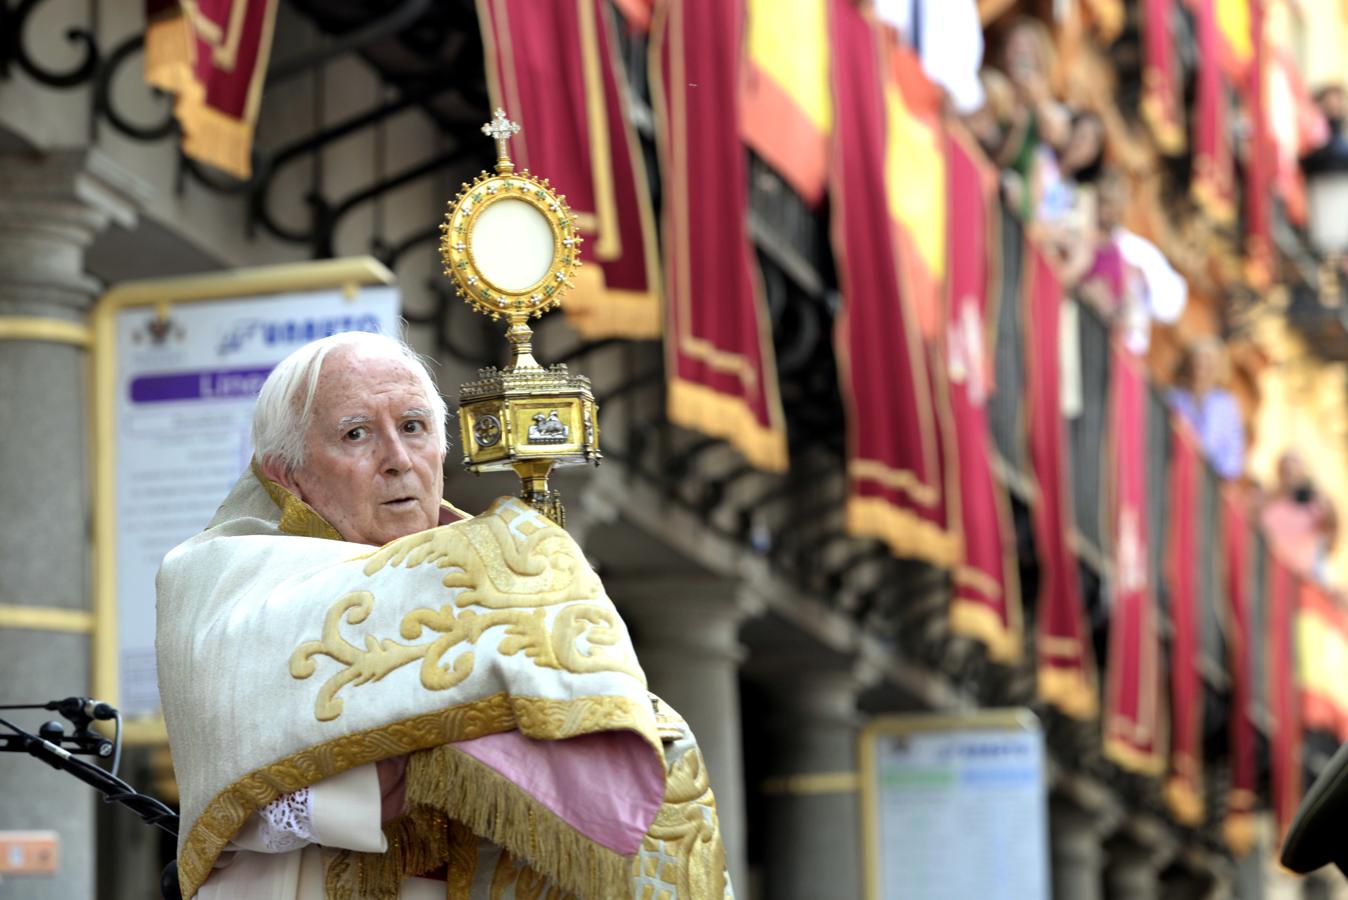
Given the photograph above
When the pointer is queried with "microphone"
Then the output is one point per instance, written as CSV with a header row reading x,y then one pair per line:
x,y
83,707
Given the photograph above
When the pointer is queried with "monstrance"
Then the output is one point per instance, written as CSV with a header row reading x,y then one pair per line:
x,y
510,244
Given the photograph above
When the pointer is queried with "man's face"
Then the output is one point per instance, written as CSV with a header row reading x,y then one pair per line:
x,y
372,464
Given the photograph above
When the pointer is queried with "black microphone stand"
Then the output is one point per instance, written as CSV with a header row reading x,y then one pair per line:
x,y
60,750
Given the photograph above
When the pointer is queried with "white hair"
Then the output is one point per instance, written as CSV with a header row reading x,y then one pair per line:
x,y
285,405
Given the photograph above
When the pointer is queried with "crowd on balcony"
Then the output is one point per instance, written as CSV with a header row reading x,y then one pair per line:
x,y
1058,176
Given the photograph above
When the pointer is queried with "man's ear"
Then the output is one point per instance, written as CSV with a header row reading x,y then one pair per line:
x,y
281,474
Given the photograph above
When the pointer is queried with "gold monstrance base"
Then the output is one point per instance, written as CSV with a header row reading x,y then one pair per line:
x,y
511,247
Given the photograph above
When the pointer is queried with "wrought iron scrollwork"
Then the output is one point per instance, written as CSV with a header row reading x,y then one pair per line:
x,y
13,49
103,95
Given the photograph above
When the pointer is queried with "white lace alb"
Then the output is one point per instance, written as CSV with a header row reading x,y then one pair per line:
x,y
288,822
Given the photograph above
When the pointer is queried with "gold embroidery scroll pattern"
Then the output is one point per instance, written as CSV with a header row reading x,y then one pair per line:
x,y
682,856
525,632
499,563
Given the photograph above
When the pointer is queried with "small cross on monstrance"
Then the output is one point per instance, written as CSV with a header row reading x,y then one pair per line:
x,y
502,130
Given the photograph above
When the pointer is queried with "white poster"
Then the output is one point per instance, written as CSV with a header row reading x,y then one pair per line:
x,y
956,809
185,389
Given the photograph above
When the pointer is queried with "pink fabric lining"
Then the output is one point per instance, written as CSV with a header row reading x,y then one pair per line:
x,y
607,785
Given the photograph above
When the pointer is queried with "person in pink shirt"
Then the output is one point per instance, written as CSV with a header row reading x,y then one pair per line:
x,y
1299,522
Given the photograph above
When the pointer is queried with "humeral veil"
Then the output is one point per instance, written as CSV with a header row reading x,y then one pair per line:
x,y
287,656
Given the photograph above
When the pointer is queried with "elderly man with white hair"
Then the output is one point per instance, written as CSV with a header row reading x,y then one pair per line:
x,y
371,694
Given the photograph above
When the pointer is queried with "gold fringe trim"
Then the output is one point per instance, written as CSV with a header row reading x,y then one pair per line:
x,y
978,621
908,536
1070,690
491,806
1165,130
1184,801
1240,833
419,842
211,137
1128,757
724,416
168,53
595,311
1219,209
537,717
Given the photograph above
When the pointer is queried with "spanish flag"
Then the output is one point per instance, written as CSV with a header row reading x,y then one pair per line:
x,y
1236,32
721,375
787,111
894,447
1322,660
915,182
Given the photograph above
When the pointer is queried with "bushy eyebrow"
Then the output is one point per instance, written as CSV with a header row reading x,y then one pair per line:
x,y
349,421
417,412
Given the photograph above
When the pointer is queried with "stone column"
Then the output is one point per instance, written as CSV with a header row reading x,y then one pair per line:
x,y
1077,850
813,813
52,206
686,632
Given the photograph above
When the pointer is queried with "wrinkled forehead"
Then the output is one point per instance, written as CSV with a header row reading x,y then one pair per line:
x,y
355,380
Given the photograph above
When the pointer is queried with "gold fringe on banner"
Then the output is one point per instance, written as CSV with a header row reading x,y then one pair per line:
x,y
1157,111
1183,800
1132,759
596,311
168,52
980,622
1068,690
720,415
909,536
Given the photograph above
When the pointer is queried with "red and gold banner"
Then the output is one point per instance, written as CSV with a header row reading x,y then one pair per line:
x,y
1162,104
1239,825
915,180
788,100
1259,160
720,370
1213,183
553,68
1322,660
1184,787
894,452
1134,727
986,602
1284,590
212,56
1066,662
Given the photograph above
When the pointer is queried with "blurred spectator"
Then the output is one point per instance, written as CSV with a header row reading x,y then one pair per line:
x,y
1103,282
992,122
1155,292
1299,523
1201,400
1066,209
1037,119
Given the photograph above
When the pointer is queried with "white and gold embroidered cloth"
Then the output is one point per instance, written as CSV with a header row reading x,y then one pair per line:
x,y
285,659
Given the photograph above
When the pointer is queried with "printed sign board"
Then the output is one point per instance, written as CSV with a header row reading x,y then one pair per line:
x,y
955,807
181,385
